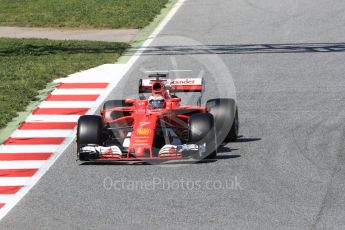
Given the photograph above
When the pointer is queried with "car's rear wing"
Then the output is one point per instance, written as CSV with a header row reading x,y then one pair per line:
x,y
174,85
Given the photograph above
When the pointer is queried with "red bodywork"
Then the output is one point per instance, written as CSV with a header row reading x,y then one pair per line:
x,y
142,121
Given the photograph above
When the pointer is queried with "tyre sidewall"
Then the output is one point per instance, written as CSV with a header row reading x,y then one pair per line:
x,y
224,112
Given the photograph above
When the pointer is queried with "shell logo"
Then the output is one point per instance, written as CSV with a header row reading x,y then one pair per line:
x,y
143,131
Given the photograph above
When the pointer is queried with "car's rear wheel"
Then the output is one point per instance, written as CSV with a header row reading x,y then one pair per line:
x,y
224,111
201,131
89,131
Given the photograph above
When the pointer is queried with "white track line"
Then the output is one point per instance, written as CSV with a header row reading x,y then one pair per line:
x,y
52,118
8,198
77,91
107,73
28,148
21,164
14,181
42,133
67,104
114,78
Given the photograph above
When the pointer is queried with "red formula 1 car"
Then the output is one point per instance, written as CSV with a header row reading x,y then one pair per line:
x,y
158,127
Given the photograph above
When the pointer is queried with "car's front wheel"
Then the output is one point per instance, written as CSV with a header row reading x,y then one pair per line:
x,y
202,132
89,131
225,113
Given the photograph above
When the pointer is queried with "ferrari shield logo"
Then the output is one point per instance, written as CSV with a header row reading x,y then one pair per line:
x,y
143,131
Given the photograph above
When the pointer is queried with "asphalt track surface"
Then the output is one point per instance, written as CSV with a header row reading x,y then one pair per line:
x,y
286,59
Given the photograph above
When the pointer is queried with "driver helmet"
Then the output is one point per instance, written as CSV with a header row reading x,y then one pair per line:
x,y
156,102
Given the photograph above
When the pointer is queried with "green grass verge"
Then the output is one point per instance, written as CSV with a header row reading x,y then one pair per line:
x,y
83,14
28,65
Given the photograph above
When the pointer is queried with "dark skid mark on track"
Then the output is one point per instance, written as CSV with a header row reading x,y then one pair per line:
x,y
323,203
243,49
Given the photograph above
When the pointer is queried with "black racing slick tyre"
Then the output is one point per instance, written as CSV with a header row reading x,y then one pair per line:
x,y
111,104
233,134
224,111
89,131
201,131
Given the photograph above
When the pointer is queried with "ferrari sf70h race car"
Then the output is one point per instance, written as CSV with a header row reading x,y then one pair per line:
x,y
158,127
